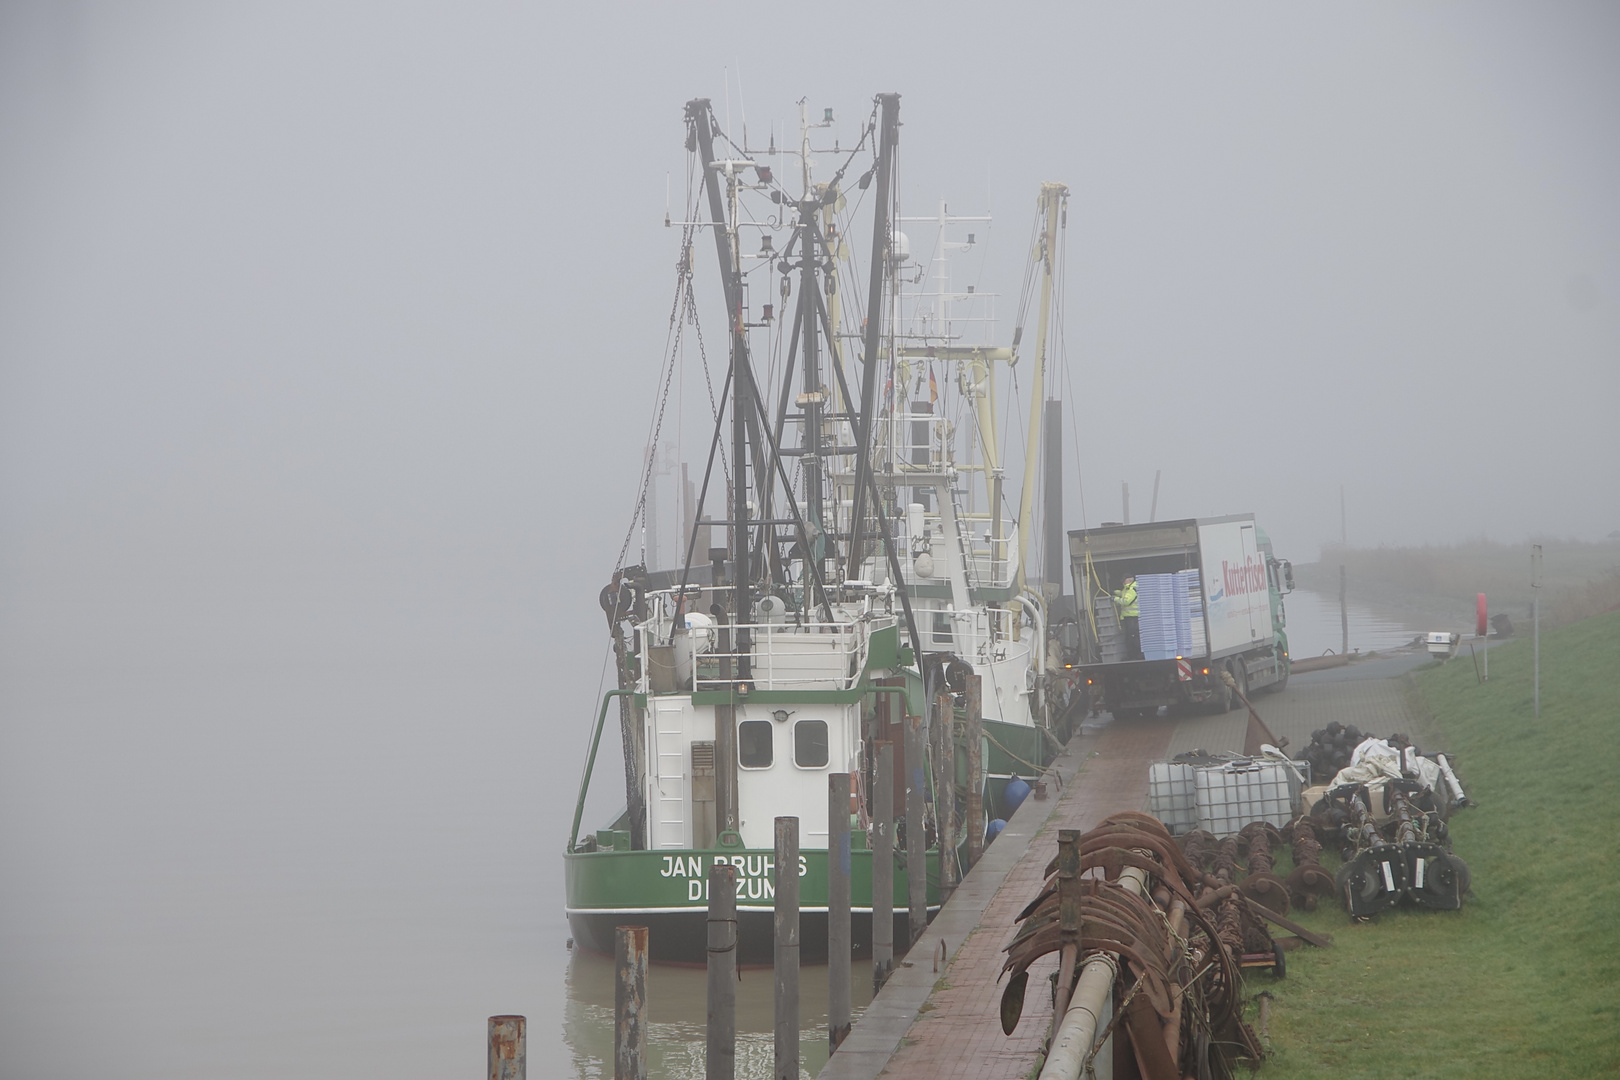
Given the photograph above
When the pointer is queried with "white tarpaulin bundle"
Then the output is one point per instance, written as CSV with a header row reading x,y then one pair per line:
x,y
1375,761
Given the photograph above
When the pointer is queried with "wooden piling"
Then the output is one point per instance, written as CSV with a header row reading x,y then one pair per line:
x,y
787,948
508,1038
838,943
883,866
916,829
945,794
630,1003
720,1058
975,794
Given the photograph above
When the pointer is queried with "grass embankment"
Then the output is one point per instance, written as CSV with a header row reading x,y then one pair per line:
x,y
1436,585
1524,981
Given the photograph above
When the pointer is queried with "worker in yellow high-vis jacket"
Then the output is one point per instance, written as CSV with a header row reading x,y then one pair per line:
x,y
1125,602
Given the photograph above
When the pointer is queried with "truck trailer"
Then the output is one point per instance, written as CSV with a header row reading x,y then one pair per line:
x,y
1210,597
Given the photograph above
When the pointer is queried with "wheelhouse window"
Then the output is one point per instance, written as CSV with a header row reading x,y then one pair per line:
x,y
810,744
755,744
941,628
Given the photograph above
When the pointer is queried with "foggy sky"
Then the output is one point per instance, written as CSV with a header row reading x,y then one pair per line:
x,y
328,336
311,281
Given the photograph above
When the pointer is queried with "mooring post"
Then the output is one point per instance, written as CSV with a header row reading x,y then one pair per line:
x,y
975,794
720,1059
838,944
630,1003
787,948
916,830
945,795
507,1047
883,867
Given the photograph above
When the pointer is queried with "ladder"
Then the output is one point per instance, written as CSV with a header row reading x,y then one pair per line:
x,y
669,745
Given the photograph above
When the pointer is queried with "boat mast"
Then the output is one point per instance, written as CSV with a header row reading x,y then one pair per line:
x,y
889,134
809,206
1052,198
699,116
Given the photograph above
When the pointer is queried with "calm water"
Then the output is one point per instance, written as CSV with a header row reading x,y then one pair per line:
x,y
1314,626
311,833
315,832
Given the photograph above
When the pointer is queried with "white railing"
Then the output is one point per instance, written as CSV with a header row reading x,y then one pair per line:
x,y
787,656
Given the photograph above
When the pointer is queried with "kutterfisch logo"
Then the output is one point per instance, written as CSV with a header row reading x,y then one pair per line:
x,y
1248,578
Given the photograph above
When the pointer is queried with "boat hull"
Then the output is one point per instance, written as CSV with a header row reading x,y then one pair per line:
x,y
666,891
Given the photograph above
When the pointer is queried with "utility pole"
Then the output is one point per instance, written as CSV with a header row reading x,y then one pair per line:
x,y
1535,619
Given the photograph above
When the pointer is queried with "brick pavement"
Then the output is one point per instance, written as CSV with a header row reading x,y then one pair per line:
x,y
958,1034
1379,706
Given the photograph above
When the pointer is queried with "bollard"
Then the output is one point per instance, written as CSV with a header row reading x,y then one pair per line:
x,y
975,793
838,944
630,1003
916,830
507,1047
883,867
720,1059
787,948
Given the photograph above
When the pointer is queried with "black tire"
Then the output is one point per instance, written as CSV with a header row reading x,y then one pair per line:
x,y
1280,968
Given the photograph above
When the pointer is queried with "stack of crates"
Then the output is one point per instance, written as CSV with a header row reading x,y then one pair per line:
x,y
1109,639
1156,602
1189,614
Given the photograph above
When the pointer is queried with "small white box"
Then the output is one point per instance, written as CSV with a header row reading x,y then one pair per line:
x,y
1443,643
1172,796
1230,796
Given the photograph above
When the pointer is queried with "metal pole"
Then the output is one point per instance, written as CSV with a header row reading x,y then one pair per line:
x,y
1068,863
838,944
975,795
787,948
630,1003
1535,619
1153,507
916,830
883,867
1052,512
720,1060
507,1047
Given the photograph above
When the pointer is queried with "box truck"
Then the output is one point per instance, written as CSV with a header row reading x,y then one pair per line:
x,y
1209,599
